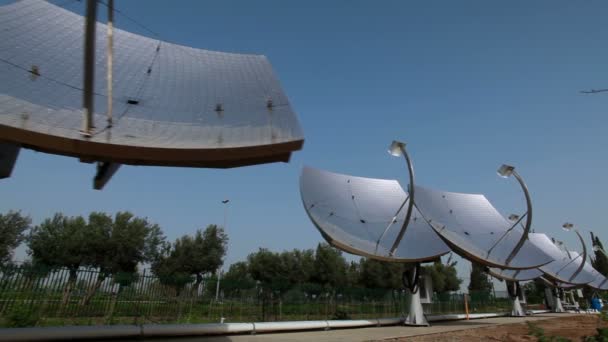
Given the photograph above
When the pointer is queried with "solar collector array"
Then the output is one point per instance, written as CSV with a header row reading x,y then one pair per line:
x,y
364,216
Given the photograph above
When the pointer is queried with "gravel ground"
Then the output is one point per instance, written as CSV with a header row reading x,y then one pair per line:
x,y
574,328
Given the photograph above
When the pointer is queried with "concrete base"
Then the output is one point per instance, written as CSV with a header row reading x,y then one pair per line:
x,y
517,310
558,305
416,314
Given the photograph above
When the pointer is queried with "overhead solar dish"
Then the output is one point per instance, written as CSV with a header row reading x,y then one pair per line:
x,y
363,216
564,265
172,105
472,227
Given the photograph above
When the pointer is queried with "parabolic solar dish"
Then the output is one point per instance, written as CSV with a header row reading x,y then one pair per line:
x,y
173,105
515,275
364,215
564,266
600,282
472,227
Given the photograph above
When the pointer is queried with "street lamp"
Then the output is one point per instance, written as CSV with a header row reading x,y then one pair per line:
x,y
397,149
514,217
570,227
219,270
505,171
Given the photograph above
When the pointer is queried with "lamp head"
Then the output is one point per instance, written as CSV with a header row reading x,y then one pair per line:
x,y
505,170
567,226
514,217
396,148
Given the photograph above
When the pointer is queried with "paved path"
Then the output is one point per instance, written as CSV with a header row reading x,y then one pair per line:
x,y
371,334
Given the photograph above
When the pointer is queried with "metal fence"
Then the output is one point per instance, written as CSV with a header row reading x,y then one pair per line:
x,y
31,297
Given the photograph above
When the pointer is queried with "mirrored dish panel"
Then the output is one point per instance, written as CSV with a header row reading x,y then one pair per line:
x,y
473,228
172,105
564,265
599,282
364,215
515,275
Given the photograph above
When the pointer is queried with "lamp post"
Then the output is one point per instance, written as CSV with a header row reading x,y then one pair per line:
x,y
513,217
506,171
219,271
570,227
397,149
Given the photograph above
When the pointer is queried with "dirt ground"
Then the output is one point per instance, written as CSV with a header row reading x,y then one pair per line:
x,y
573,328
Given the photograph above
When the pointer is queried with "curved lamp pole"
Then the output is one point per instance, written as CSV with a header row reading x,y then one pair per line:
x,y
397,149
569,227
411,276
506,171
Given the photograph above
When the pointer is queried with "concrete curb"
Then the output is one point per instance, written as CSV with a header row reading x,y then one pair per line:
x,y
166,330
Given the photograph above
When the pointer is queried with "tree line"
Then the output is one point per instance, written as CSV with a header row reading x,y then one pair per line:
x,y
325,270
117,245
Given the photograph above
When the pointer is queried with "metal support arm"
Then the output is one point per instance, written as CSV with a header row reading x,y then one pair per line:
x,y
410,205
528,225
105,171
584,258
8,157
411,278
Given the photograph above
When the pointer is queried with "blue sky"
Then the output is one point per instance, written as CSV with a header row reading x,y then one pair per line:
x,y
469,85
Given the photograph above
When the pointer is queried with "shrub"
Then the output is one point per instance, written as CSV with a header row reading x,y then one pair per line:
x,y
20,317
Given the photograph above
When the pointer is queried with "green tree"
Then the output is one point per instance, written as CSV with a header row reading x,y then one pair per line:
x,y
113,246
209,250
377,274
169,269
353,274
534,291
59,242
134,240
268,269
298,265
33,273
191,257
237,279
329,267
281,272
600,262
444,276
12,232
116,246
480,282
